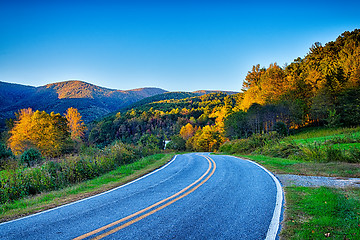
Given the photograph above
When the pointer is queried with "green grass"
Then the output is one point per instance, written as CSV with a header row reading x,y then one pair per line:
x,y
323,134
347,146
278,165
289,166
88,188
320,213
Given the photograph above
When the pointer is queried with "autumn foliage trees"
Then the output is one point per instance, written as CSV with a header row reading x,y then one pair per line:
x,y
49,133
310,89
320,89
186,122
76,126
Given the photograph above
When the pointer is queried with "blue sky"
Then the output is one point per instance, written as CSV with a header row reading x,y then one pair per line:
x,y
174,45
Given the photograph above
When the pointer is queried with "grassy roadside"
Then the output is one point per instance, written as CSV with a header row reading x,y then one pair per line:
x,y
88,188
298,167
324,134
321,213
312,213
317,213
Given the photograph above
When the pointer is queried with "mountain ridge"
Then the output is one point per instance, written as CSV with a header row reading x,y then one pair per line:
x,y
91,100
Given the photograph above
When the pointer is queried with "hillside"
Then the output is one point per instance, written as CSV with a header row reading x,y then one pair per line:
x,y
162,116
160,97
322,89
92,101
10,93
204,92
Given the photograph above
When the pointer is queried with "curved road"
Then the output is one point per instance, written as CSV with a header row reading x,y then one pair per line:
x,y
195,196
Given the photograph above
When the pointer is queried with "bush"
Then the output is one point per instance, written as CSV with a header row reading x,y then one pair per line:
x,y
335,155
92,162
235,146
282,149
226,147
248,145
121,153
281,129
56,174
31,157
348,138
313,152
354,155
177,143
5,154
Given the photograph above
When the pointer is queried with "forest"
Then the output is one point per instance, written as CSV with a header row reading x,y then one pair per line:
x,y
321,89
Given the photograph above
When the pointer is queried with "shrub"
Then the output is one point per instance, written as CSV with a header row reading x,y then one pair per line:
x,y
335,155
121,153
5,154
21,182
31,157
248,145
237,146
283,149
226,147
56,174
281,129
4,151
354,155
348,138
313,152
177,143
38,180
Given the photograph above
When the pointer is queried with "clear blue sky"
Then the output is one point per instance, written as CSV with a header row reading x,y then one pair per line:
x,y
174,45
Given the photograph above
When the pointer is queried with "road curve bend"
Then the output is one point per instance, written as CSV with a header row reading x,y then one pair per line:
x,y
195,196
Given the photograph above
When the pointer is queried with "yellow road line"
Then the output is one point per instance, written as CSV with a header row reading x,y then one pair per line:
x,y
210,161
155,210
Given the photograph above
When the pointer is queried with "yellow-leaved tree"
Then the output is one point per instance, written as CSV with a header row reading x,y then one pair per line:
x,y
47,132
187,131
207,139
22,132
75,123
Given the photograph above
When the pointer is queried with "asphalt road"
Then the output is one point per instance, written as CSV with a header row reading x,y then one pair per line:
x,y
195,196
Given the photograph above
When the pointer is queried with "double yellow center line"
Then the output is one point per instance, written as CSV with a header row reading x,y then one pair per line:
x,y
153,208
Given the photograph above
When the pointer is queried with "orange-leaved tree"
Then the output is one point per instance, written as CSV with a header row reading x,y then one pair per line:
x,y
187,131
47,132
75,123
21,135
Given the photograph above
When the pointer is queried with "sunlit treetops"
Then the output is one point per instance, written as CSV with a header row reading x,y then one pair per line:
x,y
49,133
76,126
310,90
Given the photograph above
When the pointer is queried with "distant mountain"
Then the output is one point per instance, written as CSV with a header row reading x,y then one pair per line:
x,y
92,101
204,92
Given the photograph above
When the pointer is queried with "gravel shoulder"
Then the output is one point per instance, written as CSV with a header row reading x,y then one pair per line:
x,y
316,181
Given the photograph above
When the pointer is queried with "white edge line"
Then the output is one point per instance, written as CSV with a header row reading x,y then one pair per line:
x,y
84,199
275,221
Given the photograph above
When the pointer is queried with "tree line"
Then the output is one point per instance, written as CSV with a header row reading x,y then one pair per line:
x,y
320,89
315,88
164,119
